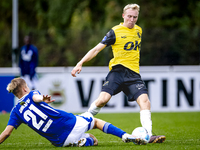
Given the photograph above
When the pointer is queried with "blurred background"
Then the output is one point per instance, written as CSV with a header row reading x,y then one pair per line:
x,y
64,30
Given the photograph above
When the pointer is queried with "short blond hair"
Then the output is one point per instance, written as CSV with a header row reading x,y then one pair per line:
x,y
131,6
15,86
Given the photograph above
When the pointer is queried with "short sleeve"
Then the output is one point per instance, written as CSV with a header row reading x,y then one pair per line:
x,y
35,92
109,39
14,120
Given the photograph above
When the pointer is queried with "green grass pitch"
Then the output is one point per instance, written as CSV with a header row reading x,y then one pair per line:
x,y
182,131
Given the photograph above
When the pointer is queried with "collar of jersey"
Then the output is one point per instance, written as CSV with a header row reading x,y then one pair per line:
x,y
121,23
21,99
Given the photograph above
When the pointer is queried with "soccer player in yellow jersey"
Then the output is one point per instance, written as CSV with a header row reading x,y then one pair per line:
x,y
125,40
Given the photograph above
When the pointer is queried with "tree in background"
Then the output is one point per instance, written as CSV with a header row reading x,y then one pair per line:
x,y
64,30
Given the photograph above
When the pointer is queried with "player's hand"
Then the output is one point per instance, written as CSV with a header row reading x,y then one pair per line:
x,y
76,69
47,99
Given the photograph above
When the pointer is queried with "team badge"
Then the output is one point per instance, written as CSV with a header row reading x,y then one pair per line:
x,y
57,93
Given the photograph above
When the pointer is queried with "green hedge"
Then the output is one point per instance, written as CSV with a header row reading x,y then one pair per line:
x,y
64,30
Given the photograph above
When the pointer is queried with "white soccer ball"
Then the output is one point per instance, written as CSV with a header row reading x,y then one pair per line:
x,y
141,132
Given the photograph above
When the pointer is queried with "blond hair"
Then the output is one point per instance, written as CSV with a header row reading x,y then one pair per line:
x,y
131,6
15,86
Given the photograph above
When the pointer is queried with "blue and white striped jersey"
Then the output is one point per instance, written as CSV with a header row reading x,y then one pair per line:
x,y
55,125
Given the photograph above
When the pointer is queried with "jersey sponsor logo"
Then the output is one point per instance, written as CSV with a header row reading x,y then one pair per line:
x,y
123,37
132,46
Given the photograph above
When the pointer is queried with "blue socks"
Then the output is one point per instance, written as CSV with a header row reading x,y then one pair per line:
x,y
89,141
111,129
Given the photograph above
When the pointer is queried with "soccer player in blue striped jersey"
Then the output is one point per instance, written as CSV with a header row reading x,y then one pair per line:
x,y
59,127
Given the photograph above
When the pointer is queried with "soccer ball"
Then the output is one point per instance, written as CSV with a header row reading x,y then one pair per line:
x,y
141,132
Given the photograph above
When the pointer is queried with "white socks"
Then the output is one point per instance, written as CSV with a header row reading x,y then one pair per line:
x,y
94,109
145,119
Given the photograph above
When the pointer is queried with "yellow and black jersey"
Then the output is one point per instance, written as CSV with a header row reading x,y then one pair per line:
x,y
126,45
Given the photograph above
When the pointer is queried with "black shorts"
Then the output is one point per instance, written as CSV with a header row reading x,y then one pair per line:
x,y
123,79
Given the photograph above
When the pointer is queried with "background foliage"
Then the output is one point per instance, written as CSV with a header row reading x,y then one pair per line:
x,y
64,30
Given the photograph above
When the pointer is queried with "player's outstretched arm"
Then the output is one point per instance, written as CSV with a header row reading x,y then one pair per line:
x,y
6,133
47,99
91,54
40,98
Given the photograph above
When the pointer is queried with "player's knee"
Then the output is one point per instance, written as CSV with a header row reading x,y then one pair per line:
x,y
144,102
102,99
145,105
100,103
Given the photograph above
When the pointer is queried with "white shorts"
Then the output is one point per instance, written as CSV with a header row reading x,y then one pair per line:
x,y
84,122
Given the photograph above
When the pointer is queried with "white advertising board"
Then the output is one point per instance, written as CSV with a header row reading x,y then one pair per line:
x,y
170,88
